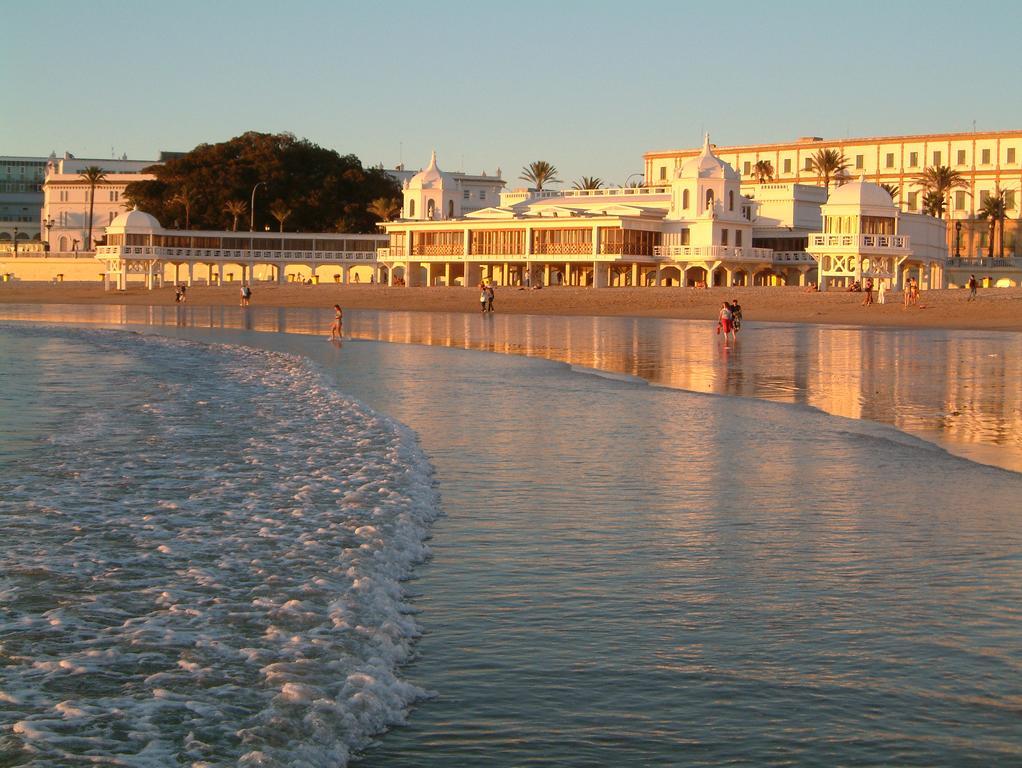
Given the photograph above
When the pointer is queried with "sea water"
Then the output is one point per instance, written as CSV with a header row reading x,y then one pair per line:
x,y
202,556
623,575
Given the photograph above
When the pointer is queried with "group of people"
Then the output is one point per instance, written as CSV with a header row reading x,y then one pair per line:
x,y
246,295
729,320
910,293
180,294
486,297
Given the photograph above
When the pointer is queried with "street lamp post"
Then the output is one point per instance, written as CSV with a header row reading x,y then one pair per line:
x,y
251,211
958,239
48,222
15,242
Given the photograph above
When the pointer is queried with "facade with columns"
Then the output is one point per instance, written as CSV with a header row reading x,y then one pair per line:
x,y
697,229
138,249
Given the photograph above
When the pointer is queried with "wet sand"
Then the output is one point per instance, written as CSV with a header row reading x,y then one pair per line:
x,y
995,309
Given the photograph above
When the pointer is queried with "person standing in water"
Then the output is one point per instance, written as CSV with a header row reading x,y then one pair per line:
x,y
337,328
725,322
483,296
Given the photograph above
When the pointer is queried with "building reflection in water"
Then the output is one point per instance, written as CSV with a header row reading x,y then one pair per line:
x,y
959,388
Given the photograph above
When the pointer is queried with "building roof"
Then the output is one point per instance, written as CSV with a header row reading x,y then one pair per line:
x,y
135,221
430,178
707,165
861,194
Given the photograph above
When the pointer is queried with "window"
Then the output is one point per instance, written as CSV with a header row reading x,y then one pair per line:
x,y
960,200
985,157
723,237
731,200
411,209
984,196
913,159
858,161
787,166
889,161
1011,155
747,168
809,164
663,173
961,157
430,208
112,214
466,195
450,209
709,199
686,237
684,199
738,238
936,158
1009,199
482,194
913,200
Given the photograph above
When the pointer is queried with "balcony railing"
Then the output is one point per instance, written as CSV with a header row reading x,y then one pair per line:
x,y
984,261
229,255
859,242
712,252
441,249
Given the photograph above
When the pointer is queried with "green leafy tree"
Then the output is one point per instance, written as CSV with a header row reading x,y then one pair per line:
x,y
281,212
993,209
236,209
386,208
763,171
92,175
323,188
540,172
933,204
828,164
940,179
588,182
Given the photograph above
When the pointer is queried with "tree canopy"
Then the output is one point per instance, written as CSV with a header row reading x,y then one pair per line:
x,y
324,190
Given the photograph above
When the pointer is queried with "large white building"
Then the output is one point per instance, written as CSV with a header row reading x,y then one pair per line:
x,y
66,199
697,229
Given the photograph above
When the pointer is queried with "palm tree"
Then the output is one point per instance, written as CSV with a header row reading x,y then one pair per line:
x,y
92,176
764,171
588,182
237,209
933,204
993,208
940,179
280,212
828,164
891,189
184,198
385,207
540,172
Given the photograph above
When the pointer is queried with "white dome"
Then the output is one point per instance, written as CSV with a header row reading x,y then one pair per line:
x,y
430,178
861,194
135,221
707,165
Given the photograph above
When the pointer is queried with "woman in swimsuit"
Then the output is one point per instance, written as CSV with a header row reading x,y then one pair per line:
x,y
335,329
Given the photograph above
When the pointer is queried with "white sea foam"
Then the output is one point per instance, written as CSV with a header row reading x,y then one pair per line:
x,y
204,567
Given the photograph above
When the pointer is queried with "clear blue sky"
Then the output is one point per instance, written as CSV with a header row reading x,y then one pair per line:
x,y
587,85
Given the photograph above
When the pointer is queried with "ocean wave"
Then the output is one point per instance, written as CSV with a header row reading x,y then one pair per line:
x,y
204,565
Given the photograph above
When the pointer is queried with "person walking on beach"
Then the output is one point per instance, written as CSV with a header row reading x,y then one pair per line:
x,y
489,297
869,292
246,295
184,293
973,285
882,292
913,291
337,327
178,297
483,296
906,293
736,316
724,322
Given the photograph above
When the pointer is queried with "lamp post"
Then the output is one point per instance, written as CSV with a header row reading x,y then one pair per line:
x,y
958,239
251,210
48,222
15,242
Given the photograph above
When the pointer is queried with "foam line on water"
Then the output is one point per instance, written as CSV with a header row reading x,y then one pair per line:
x,y
204,566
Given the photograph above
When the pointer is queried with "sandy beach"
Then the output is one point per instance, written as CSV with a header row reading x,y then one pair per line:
x,y
995,309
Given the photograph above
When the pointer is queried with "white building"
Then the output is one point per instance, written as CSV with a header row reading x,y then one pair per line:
x,y
432,194
65,211
865,236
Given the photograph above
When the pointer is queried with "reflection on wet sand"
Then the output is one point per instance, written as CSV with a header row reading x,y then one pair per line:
x,y
958,388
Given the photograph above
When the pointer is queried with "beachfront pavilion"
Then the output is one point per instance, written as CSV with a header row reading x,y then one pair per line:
x,y
138,247
696,231
865,236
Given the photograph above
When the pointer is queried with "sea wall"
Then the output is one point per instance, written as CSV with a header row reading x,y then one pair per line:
x,y
47,269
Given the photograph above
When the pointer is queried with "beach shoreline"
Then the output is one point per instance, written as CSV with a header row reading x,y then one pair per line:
x,y
995,309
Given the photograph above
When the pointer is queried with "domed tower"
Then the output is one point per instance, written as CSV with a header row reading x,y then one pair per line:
x,y
432,194
861,236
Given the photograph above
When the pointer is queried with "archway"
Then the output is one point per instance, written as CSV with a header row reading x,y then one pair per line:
x,y
671,275
720,277
62,244
741,277
695,277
